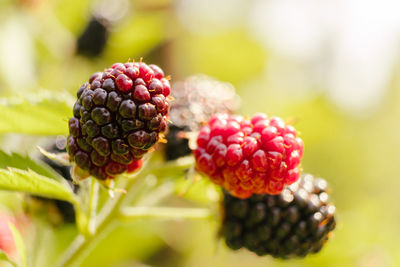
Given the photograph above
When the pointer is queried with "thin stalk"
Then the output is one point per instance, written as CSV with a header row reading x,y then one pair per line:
x,y
93,200
133,213
111,210
80,245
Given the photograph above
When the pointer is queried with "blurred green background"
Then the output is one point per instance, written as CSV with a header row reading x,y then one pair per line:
x,y
331,68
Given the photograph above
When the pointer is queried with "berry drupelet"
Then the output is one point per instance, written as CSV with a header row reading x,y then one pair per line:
x,y
259,155
196,99
119,115
293,224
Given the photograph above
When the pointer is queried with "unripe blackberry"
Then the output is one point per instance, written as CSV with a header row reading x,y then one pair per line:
x,y
259,155
196,100
94,37
293,224
121,115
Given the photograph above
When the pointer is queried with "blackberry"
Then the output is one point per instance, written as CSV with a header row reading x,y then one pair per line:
x,y
293,224
177,146
93,39
249,156
122,113
196,99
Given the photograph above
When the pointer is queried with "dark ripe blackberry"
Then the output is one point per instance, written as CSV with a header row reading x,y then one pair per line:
x,y
77,110
119,147
129,125
196,99
83,144
137,153
72,146
99,173
85,115
292,224
152,140
177,146
82,160
98,159
101,145
125,159
110,131
101,115
87,102
127,109
94,37
138,139
113,101
118,118
91,128
82,89
155,122
109,84
114,168
99,97
147,111
74,128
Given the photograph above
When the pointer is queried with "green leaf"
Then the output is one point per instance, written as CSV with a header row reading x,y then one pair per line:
x,y
17,161
61,158
4,257
35,184
42,113
19,243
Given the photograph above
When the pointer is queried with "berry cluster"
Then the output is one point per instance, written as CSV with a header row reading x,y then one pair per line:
x,y
197,98
293,224
258,155
118,117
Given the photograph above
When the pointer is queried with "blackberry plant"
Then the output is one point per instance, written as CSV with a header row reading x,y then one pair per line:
x,y
120,115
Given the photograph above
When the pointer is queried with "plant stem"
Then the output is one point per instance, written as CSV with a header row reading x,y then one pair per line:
x,y
133,213
93,200
111,210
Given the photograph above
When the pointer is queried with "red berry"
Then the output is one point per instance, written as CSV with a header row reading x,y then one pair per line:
x,y
145,72
156,87
95,76
249,156
117,65
124,83
234,155
132,72
166,87
134,166
141,93
158,72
